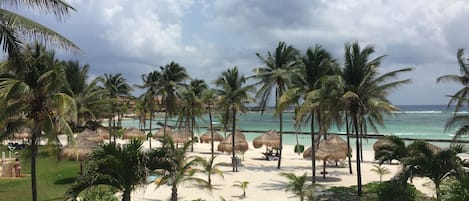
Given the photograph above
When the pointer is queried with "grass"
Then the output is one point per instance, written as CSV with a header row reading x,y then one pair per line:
x,y
53,178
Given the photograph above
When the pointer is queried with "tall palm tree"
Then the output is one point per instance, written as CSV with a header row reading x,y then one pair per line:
x,y
30,96
233,93
423,162
16,30
306,82
173,76
461,97
123,168
151,84
366,92
208,97
88,96
274,75
116,87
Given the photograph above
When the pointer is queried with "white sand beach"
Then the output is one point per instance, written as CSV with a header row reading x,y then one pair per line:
x,y
265,183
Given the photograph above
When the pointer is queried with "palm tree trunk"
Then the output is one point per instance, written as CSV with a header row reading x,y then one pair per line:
x,y
110,129
359,173
233,132
211,132
126,195
349,155
191,130
174,192
164,127
151,119
34,137
437,188
280,117
313,150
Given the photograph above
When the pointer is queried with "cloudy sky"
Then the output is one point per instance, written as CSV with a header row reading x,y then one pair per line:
x,y
135,37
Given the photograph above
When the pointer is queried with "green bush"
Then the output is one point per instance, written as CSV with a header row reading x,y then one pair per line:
x,y
299,148
99,193
454,190
395,191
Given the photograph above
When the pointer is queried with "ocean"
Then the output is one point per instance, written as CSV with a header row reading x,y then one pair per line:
x,y
412,121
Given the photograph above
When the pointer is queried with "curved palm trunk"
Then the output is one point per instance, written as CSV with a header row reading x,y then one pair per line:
x,y
211,133
233,131
359,173
349,155
313,150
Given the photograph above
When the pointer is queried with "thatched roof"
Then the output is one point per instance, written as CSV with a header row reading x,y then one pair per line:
x,y
269,139
381,143
241,145
180,137
334,148
207,137
82,147
90,135
160,133
134,133
22,133
103,133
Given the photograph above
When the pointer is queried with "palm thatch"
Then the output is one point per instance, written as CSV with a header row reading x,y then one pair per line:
x,y
104,133
241,145
23,133
160,133
207,137
269,139
134,133
382,142
85,142
181,136
435,149
334,148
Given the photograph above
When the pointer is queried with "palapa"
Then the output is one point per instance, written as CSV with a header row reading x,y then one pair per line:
x,y
103,133
269,139
22,133
160,133
381,143
134,133
90,136
181,136
334,148
241,145
207,137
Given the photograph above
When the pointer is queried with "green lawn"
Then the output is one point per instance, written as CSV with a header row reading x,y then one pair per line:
x,y
53,177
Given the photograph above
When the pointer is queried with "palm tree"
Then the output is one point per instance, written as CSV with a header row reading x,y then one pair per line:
x,y
316,65
233,93
297,184
243,185
123,168
151,84
88,96
179,166
30,96
275,75
393,149
209,167
381,171
460,98
366,92
116,87
423,162
173,76
208,97
17,29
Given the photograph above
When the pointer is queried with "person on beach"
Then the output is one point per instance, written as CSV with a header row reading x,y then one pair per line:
x,y
17,167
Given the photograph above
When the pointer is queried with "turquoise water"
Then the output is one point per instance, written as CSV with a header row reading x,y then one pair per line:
x,y
412,121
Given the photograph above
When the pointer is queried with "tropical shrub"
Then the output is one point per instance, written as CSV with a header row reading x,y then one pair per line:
x,y
394,190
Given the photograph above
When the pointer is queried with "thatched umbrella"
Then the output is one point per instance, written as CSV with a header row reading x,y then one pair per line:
x,y
90,135
23,133
334,148
269,139
134,133
103,133
81,149
207,137
160,133
435,149
241,145
381,143
180,136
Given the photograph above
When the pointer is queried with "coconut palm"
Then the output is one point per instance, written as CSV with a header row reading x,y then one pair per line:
x,y
16,30
392,148
456,189
123,168
116,86
173,76
423,162
30,96
180,167
297,184
209,167
316,65
461,97
151,84
275,74
233,93
208,97
366,92
381,171
88,96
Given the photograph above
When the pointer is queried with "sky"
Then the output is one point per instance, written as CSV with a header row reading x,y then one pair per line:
x,y
207,37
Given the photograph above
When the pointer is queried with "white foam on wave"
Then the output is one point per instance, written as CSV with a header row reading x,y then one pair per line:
x,y
461,112
419,112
